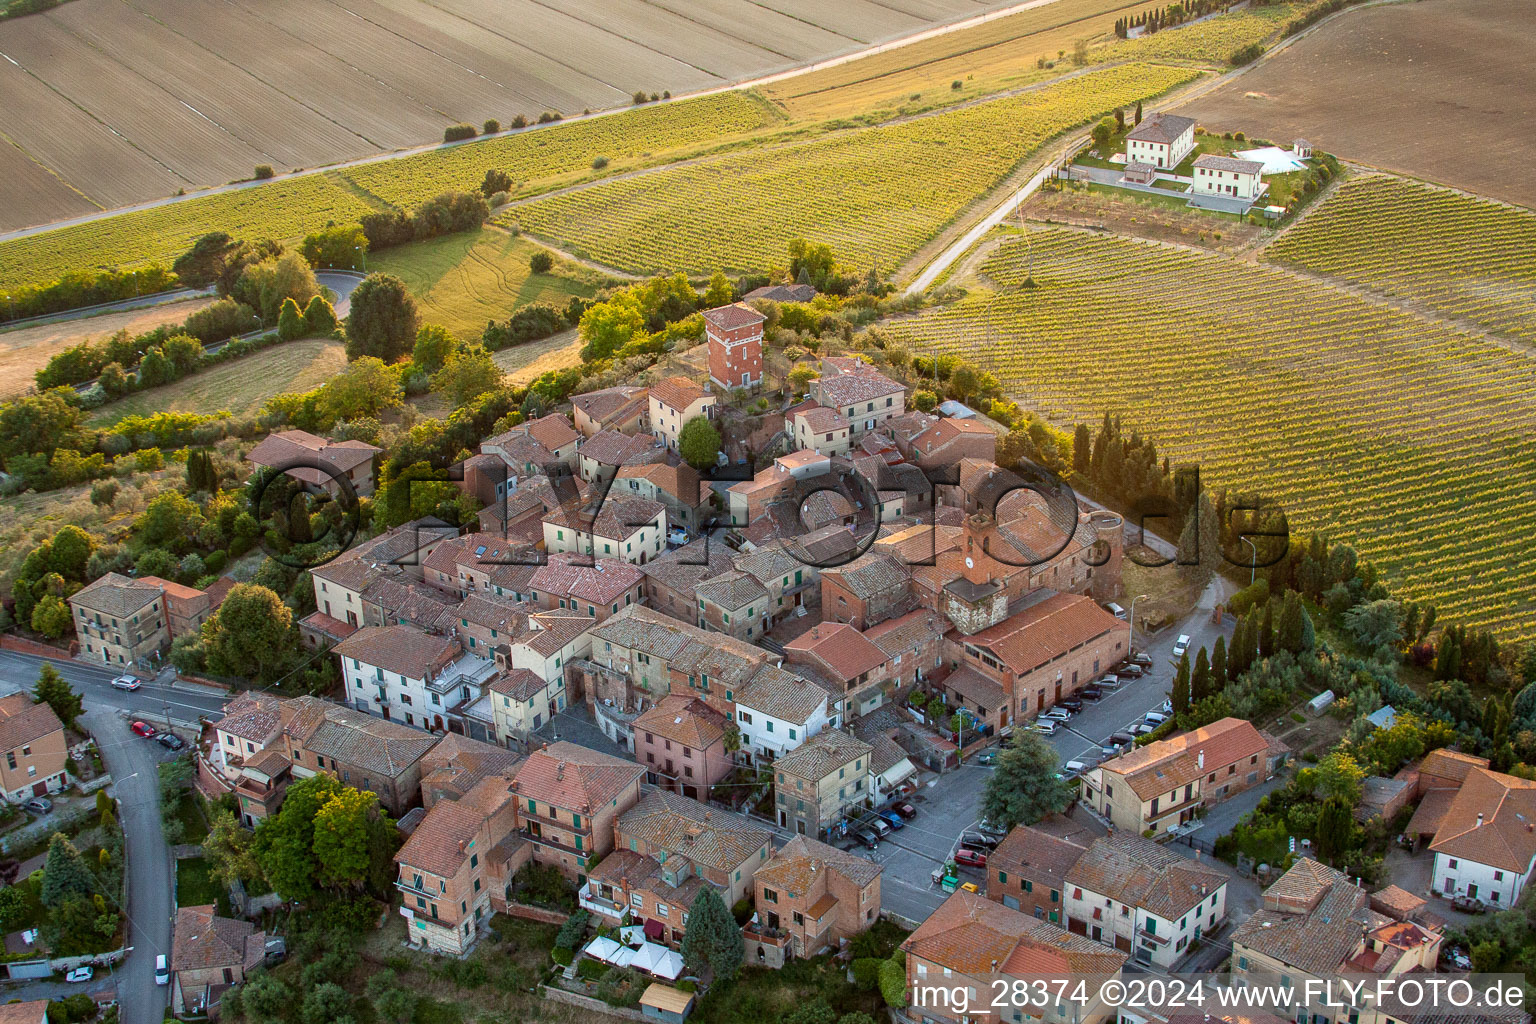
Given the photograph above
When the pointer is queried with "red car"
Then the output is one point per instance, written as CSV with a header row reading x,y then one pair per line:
x,y
970,858
143,729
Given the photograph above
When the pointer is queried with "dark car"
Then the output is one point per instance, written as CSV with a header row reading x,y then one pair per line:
x,y
977,841
970,858
143,729
1142,658
905,809
1131,671
1121,739
170,740
867,837
986,828
1090,693
1070,703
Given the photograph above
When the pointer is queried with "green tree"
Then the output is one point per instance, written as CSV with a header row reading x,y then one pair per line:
x,y
812,261
800,377
290,320
54,690
69,551
319,318
169,521
1219,665
265,998
284,842
541,262
340,245
250,635
228,848
1375,624
924,400
353,841
699,443
13,908
382,321
495,181
469,373
433,347
713,937
719,292
1200,680
51,617
365,387
326,1003
816,1011
64,873
893,981
1103,132
607,327
1181,686
417,490
1267,631
1335,829
1023,788
1338,777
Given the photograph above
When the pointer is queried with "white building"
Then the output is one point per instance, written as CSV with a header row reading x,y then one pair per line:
x,y
407,675
1228,176
778,711
1485,843
1131,893
1161,140
632,529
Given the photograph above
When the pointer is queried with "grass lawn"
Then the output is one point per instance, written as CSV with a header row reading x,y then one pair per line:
x,y
1170,186
195,886
193,824
463,280
524,363
241,386
1172,201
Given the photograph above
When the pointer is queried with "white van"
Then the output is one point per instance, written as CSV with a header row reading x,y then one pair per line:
x,y
1115,610
162,971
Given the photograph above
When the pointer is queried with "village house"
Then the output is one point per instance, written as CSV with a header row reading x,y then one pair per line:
x,y
673,402
1485,846
912,645
260,784
601,456
849,660
666,848
319,463
809,897
633,529
1144,899
687,498
121,621
457,863
733,602
481,622
34,747
471,564
670,578
1228,176
407,674
864,396
866,591
31,1011
681,742
346,590
358,750
624,409
553,435
596,588
788,581
779,710
1160,786
818,428
969,940
456,764
947,441
568,798
1161,140
1436,780
820,782
735,337
209,956
661,655
1028,870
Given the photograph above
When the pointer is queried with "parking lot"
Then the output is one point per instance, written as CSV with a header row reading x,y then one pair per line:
x,y
949,804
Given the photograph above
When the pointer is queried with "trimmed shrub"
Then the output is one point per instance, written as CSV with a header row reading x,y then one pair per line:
x,y
491,126
541,262
562,956
459,132
264,171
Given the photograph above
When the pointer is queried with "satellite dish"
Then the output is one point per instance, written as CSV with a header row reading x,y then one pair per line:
x,y
968,563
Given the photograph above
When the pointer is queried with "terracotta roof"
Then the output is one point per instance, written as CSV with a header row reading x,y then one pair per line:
x,y
610,448
870,574
1037,853
22,721
677,392
1397,902
977,688
251,715
271,761
688,828
686,719
905,634
206,941
456,763
285,447
843,649
796,864
502,614
35,1011
1430,812
328,625
731,590
779,694
823,754
549,633
1136,871
553,431
172,588
679,480
972,935
864,384
574,777
520,684
1159,767
1045,631
1164,128
728,318
115,594
683,568
603,581
439,843
885,754
1443,767
402,649
354,738
1492,821
820,419
601,405
1237,165
1323,929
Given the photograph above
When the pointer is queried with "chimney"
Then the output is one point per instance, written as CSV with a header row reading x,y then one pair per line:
x,y
1200,760
1479,820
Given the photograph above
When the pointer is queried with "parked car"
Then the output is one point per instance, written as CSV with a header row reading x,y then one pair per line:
x,y
80,974
162,970
893,819
127,683
1122,739
1045,728
1154,718
170,740
1109,684
1072,704
977,841
985,827
1130,671
1457,957
970,858
1166,707
1468,904
1142,658
867,837
39,805
1181,646
1076,767
1090,692
1056,714
1141,729
879,826
905,809
143,729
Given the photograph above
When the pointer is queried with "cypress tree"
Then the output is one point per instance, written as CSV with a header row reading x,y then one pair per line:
x,y
1082,450
1180,694
1200,681
712,937
1290,635
1219,665
1267,631
64,873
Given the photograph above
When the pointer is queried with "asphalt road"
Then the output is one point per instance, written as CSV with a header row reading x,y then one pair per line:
x,y
132,762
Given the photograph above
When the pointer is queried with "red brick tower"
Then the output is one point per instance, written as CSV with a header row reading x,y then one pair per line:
x,y
735,334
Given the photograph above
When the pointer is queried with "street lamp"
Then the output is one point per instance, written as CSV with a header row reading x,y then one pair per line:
x,y
1138,597
1253,566
362,257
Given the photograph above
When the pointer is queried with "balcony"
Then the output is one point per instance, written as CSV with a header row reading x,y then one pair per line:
x,y
553,843
1163,812
764,934
598,905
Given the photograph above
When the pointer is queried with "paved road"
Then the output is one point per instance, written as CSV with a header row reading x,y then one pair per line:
x,y
140,302
185,703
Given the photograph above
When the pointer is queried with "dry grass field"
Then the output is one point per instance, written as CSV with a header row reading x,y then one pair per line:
x,y
113,102
25,350
1440,89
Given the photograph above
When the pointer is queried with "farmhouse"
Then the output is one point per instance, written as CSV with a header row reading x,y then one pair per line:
x,y
1485,846
1162,140
1228,176
319,463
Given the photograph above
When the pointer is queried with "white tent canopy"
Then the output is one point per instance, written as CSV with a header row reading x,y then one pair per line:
x,y
605,949
658,960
